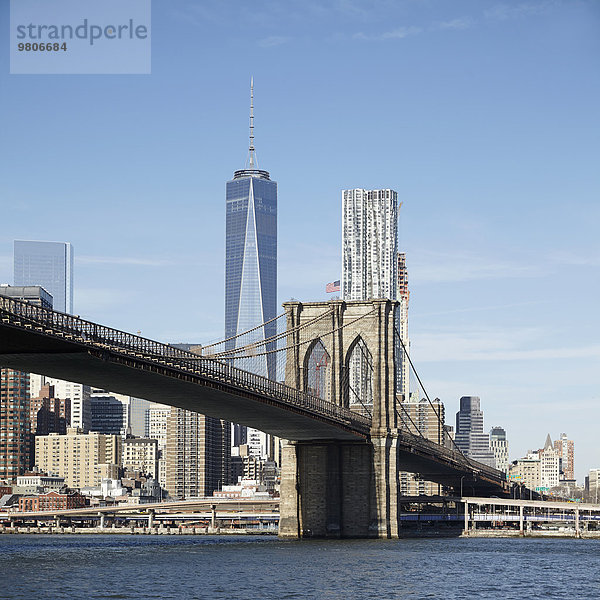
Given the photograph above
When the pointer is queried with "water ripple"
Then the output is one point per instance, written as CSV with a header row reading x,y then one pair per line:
x,y
202,567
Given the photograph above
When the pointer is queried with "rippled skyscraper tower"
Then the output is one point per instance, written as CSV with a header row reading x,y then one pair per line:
x,y
251,251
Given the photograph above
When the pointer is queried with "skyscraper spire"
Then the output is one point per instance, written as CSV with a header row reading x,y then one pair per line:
x,y
252,162
251,167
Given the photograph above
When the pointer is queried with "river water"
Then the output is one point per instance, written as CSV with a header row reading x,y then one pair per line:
x,y
247,567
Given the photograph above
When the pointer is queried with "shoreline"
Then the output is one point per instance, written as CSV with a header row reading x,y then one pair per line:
x,y
257,532
131,531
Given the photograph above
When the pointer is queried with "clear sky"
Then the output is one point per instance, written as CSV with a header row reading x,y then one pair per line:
x,y
483,115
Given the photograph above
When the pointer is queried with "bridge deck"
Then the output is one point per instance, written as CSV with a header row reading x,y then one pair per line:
x,y
39,340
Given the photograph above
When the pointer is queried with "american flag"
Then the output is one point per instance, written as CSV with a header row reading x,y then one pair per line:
x,y
334,286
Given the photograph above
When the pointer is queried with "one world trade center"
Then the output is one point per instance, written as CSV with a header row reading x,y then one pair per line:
x,y
251,254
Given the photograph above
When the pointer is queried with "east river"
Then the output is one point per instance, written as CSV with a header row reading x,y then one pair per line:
x,y
229,567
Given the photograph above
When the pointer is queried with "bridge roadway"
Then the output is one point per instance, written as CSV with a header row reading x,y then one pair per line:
x,y
39,340
223,506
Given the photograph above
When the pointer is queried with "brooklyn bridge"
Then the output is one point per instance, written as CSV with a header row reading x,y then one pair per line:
x,y
328,377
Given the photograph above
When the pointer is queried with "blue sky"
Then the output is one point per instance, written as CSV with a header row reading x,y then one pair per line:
x,y
483,115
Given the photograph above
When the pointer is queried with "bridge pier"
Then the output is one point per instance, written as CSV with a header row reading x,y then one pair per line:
x,y
340,489
326,489
344,488
352,488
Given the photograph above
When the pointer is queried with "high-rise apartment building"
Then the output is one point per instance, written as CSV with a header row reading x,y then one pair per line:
x,y
403,364
138,414
566,452
449,433
141,454
49,414
156,423
369,270
198,451
78,457
15,428
369,244
423,418
259,443
539,470
77,394
156,428
48,264
470,437
15,417
499,446
109,414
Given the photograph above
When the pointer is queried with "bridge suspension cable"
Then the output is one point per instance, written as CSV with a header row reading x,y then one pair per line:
x,y
237,335
435,409
269,357
264,342
286,334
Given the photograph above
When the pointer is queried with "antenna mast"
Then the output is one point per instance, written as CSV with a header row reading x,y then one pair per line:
x,y
251,151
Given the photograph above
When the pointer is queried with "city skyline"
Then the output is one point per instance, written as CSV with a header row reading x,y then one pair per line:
x,y
492,154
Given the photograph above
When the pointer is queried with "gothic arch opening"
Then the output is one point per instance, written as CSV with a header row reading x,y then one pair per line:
x,y
317,371
358,380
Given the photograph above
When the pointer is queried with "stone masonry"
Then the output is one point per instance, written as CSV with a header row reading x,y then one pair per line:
x,y
343,489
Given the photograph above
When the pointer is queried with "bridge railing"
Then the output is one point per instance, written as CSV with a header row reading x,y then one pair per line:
x,y
82,330
451,454
74,329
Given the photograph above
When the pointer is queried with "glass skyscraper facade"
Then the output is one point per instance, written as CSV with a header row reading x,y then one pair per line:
x,y
251,269
48,264
251,253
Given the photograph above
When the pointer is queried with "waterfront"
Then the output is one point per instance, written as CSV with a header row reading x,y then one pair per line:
x,y
198,567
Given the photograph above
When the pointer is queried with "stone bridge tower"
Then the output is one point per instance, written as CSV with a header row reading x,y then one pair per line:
x,y
343,488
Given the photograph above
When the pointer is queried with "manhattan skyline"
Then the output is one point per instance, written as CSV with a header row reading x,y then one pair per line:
x,y
482,115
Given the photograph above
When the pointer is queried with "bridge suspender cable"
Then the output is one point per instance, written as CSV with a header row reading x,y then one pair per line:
x,y
417,429
237,335
224,355
266,341
466,458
